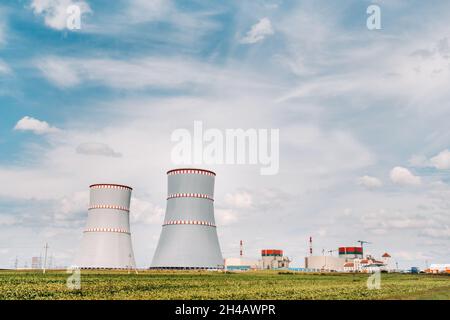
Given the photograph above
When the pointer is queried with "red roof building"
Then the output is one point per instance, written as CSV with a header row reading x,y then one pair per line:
x,y
349,265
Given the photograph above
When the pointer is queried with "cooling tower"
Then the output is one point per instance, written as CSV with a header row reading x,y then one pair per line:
x,y
189,237
106,240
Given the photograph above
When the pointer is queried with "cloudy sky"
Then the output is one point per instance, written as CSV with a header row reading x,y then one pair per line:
x,y
363,119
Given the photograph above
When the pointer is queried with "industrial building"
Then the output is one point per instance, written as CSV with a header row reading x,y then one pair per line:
x,y
36,262
241,264
106,239
329,263
270,259
439,268
337,264
368,265
273,259
324,263
189,237
350,259
350,252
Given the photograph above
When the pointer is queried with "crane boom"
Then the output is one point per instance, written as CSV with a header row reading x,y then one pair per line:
x,y
362,242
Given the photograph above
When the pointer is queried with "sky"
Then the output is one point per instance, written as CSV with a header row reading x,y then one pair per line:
x,y
362,116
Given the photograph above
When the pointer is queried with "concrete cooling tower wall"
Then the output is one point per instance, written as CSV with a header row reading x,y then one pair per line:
x,y
106,239
189,236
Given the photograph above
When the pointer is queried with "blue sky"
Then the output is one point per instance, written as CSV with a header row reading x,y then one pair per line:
x,y
363,119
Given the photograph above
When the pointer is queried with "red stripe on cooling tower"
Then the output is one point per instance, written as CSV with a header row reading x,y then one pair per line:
x,y
193,222
189,195
105,206
191,171
117,230
109,186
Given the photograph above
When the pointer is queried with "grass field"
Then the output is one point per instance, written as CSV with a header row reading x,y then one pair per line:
x,y
214,285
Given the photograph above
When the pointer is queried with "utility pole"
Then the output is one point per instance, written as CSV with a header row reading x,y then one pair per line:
x,y
241,249
130,264
45,256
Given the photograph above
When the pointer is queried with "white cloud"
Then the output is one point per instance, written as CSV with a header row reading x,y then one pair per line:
x,y
178,25
225,217
383,221
411,255
76,202
59,72
4,68
143,10
7,220
437,233
322,232
442,160
370,182
403,176
98,149
68,208
159,72
143,211
55,11
239,200
258,32
419,161
316,48
2,28
325,152
34,125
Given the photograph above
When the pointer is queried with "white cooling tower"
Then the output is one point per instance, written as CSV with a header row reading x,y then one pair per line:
x,y
106,240
189,236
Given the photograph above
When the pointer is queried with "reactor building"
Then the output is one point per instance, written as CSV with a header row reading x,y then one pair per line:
x,y
106,239
350,252
189,237
273,259
332,263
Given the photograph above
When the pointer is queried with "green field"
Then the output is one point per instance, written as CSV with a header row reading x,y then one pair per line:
x,y
215,285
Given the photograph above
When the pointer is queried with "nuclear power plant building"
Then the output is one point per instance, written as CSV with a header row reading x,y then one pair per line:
x,y
189,237
106,239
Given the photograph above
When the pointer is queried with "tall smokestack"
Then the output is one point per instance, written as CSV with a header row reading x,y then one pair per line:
x,y
310,246
189,236
241,249
106,240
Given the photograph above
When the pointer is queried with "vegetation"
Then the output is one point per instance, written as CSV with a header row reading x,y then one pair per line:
x,y
218,285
